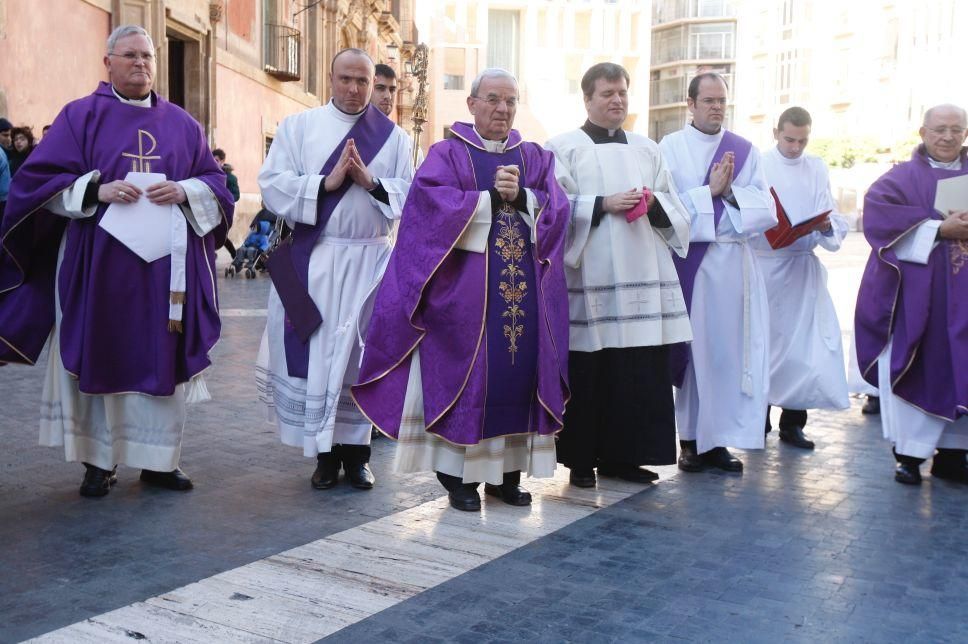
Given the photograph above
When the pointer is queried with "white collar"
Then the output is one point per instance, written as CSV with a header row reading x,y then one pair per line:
x,y
491,146
140,102
945,165
343,116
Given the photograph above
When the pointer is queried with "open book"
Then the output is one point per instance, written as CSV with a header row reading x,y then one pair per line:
x,y
788,230
952,195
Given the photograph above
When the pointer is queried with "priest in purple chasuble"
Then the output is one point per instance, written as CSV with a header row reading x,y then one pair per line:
x,y
128,338
723,375
338,174
465,362
625,301
911,319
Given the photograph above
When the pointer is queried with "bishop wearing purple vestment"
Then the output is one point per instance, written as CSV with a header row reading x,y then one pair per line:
x,y
911,320
128,318
465,362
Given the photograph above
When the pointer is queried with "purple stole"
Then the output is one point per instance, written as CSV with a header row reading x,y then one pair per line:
x,y
688,267
289,263
510,333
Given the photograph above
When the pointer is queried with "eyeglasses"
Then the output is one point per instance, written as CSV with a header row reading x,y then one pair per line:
x,y
494,101
132,56
941,131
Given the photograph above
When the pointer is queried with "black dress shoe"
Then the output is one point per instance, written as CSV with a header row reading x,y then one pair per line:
x,y
359,475
465,498
510,493
793,435
689,461
722,458
582,477
97,482
872,406
174,480
907,473
950,464
327,471
628,472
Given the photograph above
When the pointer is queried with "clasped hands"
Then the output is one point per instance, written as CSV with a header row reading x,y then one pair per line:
x,y
161,194
349,165
721,176
955,225
621,202
506,182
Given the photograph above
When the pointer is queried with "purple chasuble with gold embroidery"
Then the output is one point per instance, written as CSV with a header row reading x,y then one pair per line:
x,y
492,327
924,307
114,334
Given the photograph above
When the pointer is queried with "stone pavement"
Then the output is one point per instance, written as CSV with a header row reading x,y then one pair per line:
x,y
802,546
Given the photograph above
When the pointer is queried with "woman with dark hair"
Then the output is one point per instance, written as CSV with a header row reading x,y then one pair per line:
x,y
23,144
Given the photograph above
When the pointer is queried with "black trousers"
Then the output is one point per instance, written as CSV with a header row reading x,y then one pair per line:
x,y
621,409
788,418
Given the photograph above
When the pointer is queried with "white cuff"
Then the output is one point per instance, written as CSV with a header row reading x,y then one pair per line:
x,y
579,228
532,206
70,201
915,245
474,237
703,225
309,202
201,209
397,190
754,215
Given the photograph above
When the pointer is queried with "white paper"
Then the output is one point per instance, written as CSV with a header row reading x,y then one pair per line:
x,y
142,226
952,195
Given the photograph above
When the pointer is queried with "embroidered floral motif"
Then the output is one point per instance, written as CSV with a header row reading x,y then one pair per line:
x,y
510,246
959,255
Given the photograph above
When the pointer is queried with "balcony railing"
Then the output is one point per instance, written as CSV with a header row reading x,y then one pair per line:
x,y
281,53
669,10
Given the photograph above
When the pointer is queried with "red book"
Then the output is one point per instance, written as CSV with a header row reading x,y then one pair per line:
x,y
785,233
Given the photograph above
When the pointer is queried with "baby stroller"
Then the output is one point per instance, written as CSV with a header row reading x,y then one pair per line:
x,y
251,257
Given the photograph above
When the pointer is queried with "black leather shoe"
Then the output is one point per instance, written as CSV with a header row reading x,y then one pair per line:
x,y
327,471
722,458
628,473
793,435
950,464
510,493
97,482
359,475
872,406
907,473
465,498
582,477
689,461
174,480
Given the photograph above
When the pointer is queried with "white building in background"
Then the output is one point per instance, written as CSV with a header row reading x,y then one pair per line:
x,y
547,45
865,70
688,37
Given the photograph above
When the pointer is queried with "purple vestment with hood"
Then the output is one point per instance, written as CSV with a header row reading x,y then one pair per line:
x,y
923,307
114,335
492,327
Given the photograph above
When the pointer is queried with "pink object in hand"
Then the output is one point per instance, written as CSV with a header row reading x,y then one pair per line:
x,y
640,208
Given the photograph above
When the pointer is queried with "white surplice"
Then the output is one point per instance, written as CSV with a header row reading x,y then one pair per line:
x,y
345,267
623,288
724,396
132,429
806,351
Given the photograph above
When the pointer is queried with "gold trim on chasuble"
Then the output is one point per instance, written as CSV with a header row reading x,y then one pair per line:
x,y
141,162
509,246
959,255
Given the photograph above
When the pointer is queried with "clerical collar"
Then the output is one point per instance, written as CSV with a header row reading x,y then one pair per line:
x,y
492,146
344,116
140,102
716,133
599,134
944,165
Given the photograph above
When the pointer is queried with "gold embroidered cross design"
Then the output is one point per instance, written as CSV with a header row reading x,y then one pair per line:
x,y
509,246
141,162
959,255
